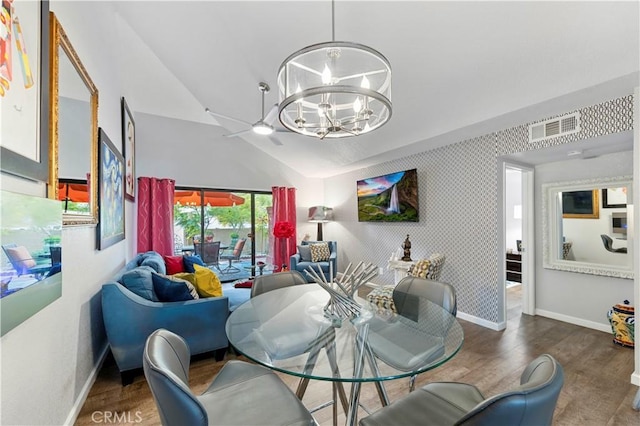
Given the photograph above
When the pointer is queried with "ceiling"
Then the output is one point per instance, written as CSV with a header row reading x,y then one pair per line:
x,y
460,69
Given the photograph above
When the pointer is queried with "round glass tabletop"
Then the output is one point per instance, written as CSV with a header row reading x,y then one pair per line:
x,y
287,330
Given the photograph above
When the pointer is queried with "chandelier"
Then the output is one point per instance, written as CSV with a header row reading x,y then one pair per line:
x,y
334,89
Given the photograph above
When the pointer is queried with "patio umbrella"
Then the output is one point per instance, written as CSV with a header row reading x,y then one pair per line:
x,y
211,198
76,192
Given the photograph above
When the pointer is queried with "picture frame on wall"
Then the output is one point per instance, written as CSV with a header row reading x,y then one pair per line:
x,y
129,151
24,75
110,229
581,204
614,197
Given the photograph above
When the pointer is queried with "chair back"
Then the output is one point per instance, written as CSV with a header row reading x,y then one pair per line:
x,y
607,241
237,250
20,258
265,283
209,252
166,367
532,403
404,295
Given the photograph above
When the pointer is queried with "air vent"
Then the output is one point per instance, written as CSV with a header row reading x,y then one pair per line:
x,y
555,127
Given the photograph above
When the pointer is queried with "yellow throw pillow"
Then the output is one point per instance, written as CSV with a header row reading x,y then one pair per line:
x,y
189,276
207,282
420,269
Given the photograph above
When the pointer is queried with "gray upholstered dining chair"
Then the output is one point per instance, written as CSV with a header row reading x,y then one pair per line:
x,y
406,298
241,393
448,403
265,283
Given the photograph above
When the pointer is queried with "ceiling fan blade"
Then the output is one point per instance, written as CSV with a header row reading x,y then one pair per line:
x,y
271,116
241,132
226,117
275,141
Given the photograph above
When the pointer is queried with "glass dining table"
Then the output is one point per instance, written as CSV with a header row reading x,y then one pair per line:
x,y
287,330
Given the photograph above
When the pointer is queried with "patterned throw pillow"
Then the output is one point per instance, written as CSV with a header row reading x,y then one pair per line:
x,y
320,252
420,269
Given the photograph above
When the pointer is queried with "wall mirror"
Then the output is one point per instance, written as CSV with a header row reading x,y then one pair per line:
x,y
73,132
585,226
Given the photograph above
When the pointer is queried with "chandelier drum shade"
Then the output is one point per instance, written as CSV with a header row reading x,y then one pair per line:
x,y
334,89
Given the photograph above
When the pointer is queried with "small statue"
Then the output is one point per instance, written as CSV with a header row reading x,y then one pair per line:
x,y
407,250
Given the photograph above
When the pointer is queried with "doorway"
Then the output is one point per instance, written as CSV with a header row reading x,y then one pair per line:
x,y
518,247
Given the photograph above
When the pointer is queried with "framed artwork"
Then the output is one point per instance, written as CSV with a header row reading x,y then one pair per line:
x,y
24,89
581,204
614,197
110,227
129,151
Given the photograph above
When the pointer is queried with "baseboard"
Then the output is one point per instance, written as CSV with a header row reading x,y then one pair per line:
x,y
84,393
573,320
635,378
482,322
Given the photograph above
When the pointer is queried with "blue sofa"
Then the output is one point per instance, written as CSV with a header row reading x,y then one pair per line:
x,y
129,318
298,264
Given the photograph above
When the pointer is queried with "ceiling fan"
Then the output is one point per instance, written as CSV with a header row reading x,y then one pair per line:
x,y
264,126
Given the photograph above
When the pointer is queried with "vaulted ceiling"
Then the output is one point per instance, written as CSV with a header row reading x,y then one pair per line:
x,y
460,69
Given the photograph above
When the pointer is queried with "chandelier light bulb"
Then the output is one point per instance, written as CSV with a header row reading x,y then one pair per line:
x,y
326,75
357,105
365,83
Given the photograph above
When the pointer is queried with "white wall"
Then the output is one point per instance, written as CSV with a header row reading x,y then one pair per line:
x,y
47,360
513,198
581,298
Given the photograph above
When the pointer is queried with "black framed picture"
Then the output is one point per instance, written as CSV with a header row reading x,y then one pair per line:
x,y
614,197
110,227
580,204
129,151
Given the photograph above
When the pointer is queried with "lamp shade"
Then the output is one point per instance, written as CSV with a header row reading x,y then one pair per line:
x,y
320,214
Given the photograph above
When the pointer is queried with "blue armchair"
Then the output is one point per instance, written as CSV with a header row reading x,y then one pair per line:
x,y
301,260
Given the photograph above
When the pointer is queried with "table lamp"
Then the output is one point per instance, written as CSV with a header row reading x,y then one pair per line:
x,y
320,215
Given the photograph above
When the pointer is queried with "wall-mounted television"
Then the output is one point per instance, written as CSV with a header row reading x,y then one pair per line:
x,y
389,198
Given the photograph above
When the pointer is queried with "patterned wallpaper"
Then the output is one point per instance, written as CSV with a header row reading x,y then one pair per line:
x,y
458,207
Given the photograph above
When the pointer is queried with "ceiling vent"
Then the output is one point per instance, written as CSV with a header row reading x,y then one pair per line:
x,y
559,126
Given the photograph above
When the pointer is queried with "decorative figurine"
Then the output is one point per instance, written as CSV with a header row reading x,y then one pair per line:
x,y
407,250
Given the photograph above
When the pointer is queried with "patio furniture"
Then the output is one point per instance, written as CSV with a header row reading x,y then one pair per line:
x,y
209,253
234,255
23,262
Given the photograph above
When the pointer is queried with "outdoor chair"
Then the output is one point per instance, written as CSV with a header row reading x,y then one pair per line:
x,y
234,255
23,262
209,253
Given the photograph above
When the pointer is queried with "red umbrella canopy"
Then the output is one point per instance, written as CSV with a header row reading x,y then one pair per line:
x,y
211,198
76,192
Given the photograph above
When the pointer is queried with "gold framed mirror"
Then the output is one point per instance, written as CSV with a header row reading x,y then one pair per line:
x,y
73,131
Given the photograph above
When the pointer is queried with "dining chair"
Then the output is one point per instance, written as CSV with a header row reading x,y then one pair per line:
x,y
265,283
448,403
240,394
608,245
429,327
234,255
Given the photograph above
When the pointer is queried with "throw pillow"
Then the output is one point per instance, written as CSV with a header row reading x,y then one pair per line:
x,y
243,284
305,253
189,261
21,256
207,282
319,252
139,281
174,264
171,289
189,276
155,261
420,269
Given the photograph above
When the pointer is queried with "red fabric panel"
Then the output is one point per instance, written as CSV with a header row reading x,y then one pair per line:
x,y
155,215
284,210
174,264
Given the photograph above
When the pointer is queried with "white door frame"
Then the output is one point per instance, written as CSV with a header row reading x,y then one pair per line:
x,y
528,239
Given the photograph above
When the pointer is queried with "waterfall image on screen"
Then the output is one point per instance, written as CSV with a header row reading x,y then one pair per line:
x,y
389,198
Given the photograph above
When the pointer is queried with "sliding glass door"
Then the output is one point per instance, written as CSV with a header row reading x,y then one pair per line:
x,y
234,219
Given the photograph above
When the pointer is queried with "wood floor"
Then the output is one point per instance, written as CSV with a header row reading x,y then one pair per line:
x,y
596,389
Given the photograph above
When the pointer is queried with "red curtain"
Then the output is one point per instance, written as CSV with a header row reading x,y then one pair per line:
x,y
155,215
284,210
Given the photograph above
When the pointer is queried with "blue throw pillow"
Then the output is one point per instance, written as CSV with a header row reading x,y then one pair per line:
x,y
139,281
155,261
171,289
189,261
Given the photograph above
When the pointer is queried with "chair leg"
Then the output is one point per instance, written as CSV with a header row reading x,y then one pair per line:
x,y
412,382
